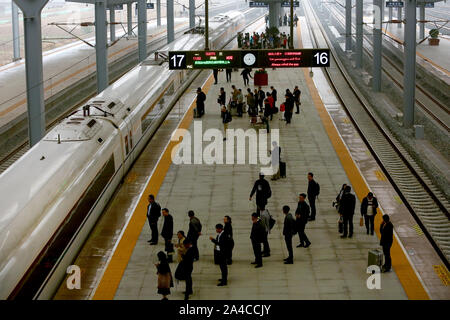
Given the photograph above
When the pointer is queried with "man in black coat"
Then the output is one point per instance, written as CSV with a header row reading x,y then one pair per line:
x,y
200,102
369,207
221,248
153,214
297,94
188,267
261,97
274,96
347,210
288,233
263,192
302,214
167,233
257,236
194,232
313,193
387,238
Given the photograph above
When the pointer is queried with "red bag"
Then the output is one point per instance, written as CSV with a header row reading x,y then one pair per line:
x,y
282,107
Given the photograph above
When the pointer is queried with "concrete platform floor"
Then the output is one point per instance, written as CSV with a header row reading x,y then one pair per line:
x,y
331,268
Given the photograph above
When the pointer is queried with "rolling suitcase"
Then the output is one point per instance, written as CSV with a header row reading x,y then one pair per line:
x,y
196,115
375,258
282,169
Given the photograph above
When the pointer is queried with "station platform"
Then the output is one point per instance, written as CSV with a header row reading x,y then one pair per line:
x,y
320,139
63,67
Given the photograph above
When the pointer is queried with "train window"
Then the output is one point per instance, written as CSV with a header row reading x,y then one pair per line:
x,y
111,105
126,145
131,140
73,122
91,123
98,101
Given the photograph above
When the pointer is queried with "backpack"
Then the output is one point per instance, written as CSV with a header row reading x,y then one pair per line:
x,y
271,221
318,188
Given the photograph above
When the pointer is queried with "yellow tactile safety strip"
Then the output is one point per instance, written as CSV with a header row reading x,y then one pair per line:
x,y
110,281
408,278
418,230
380,176
443,274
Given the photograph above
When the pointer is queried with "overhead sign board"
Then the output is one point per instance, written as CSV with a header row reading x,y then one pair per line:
x,y
150,5
297,58
116,7
258,4
287,4
395,4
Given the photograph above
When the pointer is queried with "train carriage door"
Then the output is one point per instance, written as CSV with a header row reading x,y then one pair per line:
x,y
127,142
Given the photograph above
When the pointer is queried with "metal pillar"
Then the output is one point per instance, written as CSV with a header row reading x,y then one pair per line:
x,y
206,25
129,20
15,31
409,64
359,33
390,11
399,17
291,39
31,10
422,24
377,43
170,22
142,30
158,13
112,26
191,13
101,45
348,25
274,14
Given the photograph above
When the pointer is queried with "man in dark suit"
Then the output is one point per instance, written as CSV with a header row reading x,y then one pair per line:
x,y
387,238
167,233
263,192
313,192
221,249
274,96
194,232
188,267
302,214
257,236
201,97
288,233
153,214
369,207
347,210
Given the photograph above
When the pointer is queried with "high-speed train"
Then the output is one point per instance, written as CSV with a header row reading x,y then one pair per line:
x,y
53,195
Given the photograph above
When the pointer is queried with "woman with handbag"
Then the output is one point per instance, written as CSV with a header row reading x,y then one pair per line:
x,y
165,280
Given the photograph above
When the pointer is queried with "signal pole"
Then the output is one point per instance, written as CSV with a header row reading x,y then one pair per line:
x,y
206,26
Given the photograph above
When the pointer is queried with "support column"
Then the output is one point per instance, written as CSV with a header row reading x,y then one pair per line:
x,y
129,20
101,45
377,43
170,21
359,33
206,25
400,17
31,10
348,25
273,14
291,42
191,14
390,13
15,31
112,26
422,24
142,30
158,13
409,64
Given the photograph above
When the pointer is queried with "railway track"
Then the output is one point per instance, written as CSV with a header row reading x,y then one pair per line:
x,y
425,100
423,200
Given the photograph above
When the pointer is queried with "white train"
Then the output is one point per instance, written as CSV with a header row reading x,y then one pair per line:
x,y
53,195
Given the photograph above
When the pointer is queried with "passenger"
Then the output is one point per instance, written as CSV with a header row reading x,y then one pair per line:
x,y
180,246
369,207
289,106
226,118
153,214
271,104
301,215
295,19
313,192
338,197
234,97
263,191
245,74
165,280
194,232
285,19
265,218
215,74
188,267
201,97
228,72
267,113
220,252
387,238
222,98
261,96
251,103
347,210
288,232
257,237
167,233
228,229
256,97
275,157
274,95
297,94
240,102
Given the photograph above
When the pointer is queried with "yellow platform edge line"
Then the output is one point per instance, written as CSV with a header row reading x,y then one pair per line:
x,y
405,272
115,269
